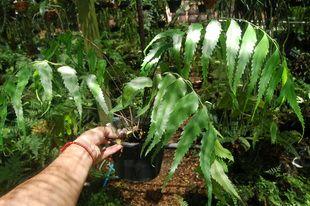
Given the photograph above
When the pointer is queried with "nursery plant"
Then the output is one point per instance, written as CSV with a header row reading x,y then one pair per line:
x,y
254,67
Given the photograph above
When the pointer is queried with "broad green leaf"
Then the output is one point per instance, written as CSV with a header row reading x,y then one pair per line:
x,y
92,60
159,36
97,92
162,85
288,91
23,77
271,64
195,126
70,79
260,53
100,73
273,132
132,87
213,31
247,45
177,38
46,76
218,174
233,37
185,107
192,39
222,152
274,81
174,92
206,158
153,57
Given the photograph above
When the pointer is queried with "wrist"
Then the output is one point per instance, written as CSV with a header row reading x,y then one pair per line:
x,y
91,148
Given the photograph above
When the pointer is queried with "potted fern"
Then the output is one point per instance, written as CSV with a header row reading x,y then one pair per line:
x,y
254,69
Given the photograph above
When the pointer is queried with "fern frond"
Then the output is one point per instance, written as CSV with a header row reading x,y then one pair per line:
x,y
222,152
160,36
218,174
247,45
274,81
97,92
192,39
271,64
46,76
23,77
174,92
162,89
153,57
260,53
213,31
177,39
273,132
3,115
233,37
199,121
70,79
206,158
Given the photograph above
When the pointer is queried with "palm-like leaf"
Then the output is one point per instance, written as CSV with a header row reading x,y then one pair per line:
x,y
46,76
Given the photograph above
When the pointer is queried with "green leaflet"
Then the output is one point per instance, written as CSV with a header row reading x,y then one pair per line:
x,y
267,72
177,38
260,53
162,85
46,76
197,123
174,92
222,152
289,93
247,45
97,92
218,174
185,107
192,39
132,87
101,69
69,77
233,37
159,36
153,57
22,80
206,158
92,60
273,132
213,31
277,74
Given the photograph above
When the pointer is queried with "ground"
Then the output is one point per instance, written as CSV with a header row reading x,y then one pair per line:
x,y
186,184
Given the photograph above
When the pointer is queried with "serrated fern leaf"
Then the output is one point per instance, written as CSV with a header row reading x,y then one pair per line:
x,y
185,107
260,53
233,37
277,74
153,57
206,158
174,92
177,38
192,39
97,92
271,64
46,76
289,93
159,36
273,132
247,45
3,115
23,77
213,31
162,89
70,79
218,174
199,121
222,152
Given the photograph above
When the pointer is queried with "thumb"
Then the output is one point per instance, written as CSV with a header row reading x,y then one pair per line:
x,y
110,150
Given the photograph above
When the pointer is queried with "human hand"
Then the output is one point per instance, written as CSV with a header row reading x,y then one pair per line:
x,y
96,137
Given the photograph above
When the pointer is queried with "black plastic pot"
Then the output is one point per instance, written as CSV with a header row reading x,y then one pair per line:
x,y
130,166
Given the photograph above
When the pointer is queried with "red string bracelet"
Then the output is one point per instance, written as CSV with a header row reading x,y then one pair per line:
x,y
63,148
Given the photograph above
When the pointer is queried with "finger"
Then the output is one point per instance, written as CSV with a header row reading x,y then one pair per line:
x,y
111,150
99,135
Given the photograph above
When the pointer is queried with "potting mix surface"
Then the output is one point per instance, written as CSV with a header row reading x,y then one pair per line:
x,y
185,185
